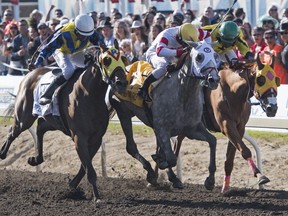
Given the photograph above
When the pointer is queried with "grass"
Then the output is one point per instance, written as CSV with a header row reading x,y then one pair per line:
x,y
147,131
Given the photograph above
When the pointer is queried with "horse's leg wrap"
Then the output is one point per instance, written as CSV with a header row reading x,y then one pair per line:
x,y
226,184
253,167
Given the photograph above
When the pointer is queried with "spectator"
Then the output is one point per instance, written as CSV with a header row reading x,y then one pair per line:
x,y
248,27
239,13
238,21
160,19
7,16
247,37
116,16
93,15
106,29
189,16
53,24
155,30
259,43
139,40
35,18
274,49
178,16
121,30
40,41
19,48
11,31
126,48
148,21
273,12
284,36
209,13
268,23
58,13
3,53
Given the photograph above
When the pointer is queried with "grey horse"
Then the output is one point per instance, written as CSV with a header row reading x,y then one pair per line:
x,y
176,109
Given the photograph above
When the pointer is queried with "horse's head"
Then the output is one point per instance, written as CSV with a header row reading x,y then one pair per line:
x,y
266,83
113,66
204,63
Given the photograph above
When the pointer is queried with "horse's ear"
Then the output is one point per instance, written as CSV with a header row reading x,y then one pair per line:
x,y
116,44
103,47
259,63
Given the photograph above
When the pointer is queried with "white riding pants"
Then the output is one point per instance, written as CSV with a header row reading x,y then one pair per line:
x,y
69,62
159,64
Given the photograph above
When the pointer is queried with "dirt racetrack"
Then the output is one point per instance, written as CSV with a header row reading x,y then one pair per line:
x,y
23,191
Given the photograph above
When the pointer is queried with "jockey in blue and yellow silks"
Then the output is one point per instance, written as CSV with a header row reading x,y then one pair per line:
x,y
67,47
229,37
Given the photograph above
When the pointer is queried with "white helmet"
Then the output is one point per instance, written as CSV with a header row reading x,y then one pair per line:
x,y
84,25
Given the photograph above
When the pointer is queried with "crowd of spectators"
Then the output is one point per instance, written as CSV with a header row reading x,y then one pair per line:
x,y
20,39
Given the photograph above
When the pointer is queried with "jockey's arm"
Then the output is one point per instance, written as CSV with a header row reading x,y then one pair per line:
x,y
49,49
96,38
162,50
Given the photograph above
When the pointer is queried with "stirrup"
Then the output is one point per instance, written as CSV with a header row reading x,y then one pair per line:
x,y
144,95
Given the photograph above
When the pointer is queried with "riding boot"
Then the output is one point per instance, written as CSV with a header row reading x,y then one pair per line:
x,y
46,97
143,90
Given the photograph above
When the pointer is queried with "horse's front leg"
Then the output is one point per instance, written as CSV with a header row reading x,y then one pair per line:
x,y
164,157
235,137
131,148
202,134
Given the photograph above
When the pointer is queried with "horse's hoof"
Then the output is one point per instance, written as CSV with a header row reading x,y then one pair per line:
x,y
152,180
178,184
263,180
2,156
35,161
209,184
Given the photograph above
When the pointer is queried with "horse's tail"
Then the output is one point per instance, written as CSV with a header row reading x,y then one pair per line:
x,y
10,109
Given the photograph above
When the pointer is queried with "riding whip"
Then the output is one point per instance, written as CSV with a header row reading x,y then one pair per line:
x,y
223,17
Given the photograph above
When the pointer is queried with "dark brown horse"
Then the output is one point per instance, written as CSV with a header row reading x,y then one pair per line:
x,y
228,109
82,106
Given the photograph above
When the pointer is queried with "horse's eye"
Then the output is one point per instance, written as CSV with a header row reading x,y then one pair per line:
x,y
200,57
107,61
125,60
261,80
277,80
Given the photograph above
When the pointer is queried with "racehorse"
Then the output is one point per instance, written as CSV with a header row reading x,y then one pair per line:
x,y
176,109
227,110
82,108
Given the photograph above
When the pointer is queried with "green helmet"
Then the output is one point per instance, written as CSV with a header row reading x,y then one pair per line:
x,y
229,33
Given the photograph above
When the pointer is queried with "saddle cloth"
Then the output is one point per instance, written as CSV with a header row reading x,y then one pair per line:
x,y
137,73
53,107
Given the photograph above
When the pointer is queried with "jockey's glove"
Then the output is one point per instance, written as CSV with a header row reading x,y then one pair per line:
x,y
179,52
39,61
249,56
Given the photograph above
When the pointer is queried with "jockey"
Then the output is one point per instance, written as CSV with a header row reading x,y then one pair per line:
x,y
229,37
66,47
168,44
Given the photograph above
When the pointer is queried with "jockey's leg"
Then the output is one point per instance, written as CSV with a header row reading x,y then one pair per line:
x,y
64,62
47,95
143,90
160,64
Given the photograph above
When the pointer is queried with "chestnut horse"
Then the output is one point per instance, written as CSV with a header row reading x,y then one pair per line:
x,y
82,108
227,110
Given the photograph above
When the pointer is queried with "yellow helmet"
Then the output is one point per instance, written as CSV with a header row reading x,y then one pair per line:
x,y
188,32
